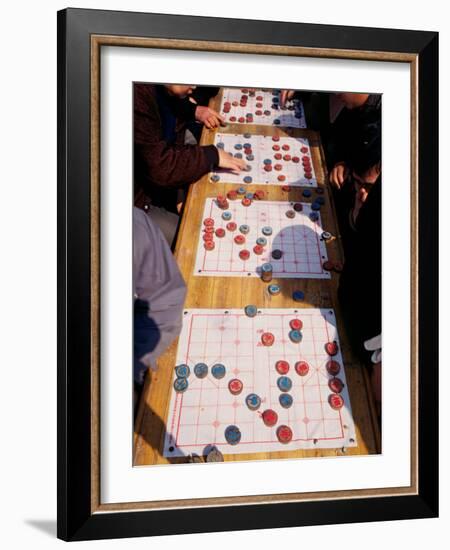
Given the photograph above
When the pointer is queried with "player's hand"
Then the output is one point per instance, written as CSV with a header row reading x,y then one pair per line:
x,y
338,175
231,163
285,95
210,118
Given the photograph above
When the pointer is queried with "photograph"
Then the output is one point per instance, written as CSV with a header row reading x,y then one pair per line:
x,y
257,236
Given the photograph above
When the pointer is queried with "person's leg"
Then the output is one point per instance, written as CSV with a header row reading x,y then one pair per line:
x,y
166,221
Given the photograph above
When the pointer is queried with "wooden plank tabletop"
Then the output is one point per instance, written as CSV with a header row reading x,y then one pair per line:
x,y
237,292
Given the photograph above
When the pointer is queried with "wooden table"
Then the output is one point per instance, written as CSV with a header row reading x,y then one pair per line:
x,y
237,292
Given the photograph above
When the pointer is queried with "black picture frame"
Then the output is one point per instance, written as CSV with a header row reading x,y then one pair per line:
x,y
76,520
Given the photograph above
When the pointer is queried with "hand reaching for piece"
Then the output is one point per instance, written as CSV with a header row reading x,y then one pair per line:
x,y
231,163
338,175
285,96
210,118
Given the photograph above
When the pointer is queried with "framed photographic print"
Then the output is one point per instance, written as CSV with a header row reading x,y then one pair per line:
x,y
247,325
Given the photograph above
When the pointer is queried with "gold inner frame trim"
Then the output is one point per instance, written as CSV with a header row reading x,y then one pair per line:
x,y
97,41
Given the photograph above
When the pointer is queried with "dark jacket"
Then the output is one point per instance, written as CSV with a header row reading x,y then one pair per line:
x,y
356,133
162,163
360,281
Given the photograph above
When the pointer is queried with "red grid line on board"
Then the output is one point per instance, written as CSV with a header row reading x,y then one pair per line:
x,y
240,316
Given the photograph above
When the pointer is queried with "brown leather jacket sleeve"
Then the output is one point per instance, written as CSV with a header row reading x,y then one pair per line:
x,y
165,164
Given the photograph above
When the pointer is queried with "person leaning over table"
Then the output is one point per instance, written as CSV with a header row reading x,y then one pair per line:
x,y
159,294
359,292
163,163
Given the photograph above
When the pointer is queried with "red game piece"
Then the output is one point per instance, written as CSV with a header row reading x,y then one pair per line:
x,y
285,147
267,338
259,105
241,119
281,177
209,229
239,239
259,98
286,188
304,149
278,167
333,367
287,157
296,324
220,232
258,112
235,103
284,434
268,167
235,386
336,385
270,417
276,147
232,119
208,237
336,401
208,222
232,195
231,226
328,265
301,368
308,176
244,254
282,367
298,206
331,348
246,201
338,267
295,159
278,156
209,245
258,249
259,194
275,138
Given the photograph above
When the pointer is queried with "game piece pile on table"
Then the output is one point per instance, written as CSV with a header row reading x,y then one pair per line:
x,y
239,239
252,106
258,380
270,160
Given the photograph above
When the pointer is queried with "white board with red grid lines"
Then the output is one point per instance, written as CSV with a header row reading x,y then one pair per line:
x,y
298,238
198,418
264,107
283,172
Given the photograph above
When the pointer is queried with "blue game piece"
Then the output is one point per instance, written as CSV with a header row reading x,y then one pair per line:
x,y
284,383
215,178
251,311
237,155
180,385
247,136
295,336
238,146
267,112
226,216
233,435
250,157
315,206
248,179
314,216
320,200
244,229
261,241
248,195
182,371
306,193
241,191
266,230
267,161
201,370
298,296
220,145
218,371
247,145
277,121
285,400
253,401
274,290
